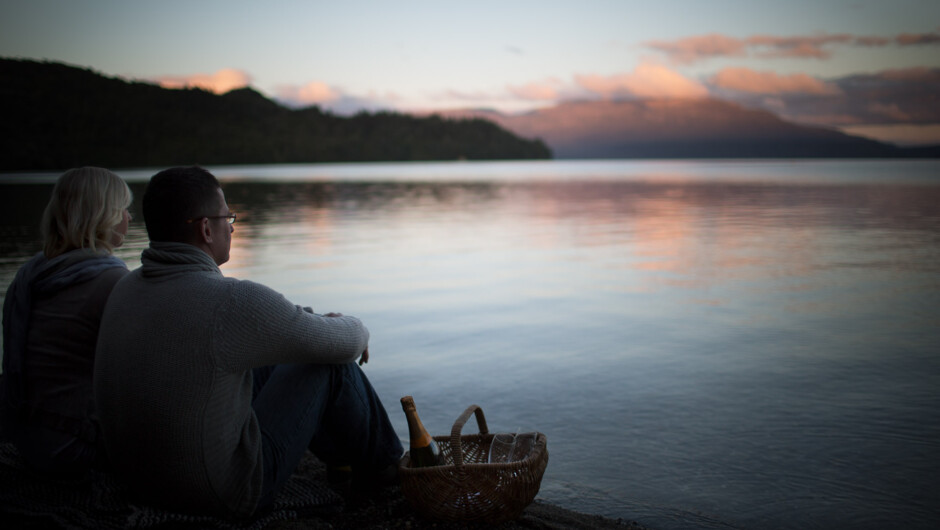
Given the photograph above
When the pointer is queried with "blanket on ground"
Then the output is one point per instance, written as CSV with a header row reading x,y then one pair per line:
x,y
101,501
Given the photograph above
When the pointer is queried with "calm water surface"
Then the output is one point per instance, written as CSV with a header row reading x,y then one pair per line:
x,y
706,344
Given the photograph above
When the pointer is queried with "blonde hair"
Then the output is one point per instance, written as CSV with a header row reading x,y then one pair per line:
x,y
86,205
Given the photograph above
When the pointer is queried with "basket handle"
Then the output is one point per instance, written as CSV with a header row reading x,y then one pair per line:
x,y
458,426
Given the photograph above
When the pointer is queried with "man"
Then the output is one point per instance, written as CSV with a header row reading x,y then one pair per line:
x,y
199,408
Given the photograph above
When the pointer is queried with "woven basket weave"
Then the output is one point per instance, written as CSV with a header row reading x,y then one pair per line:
x,y
466,487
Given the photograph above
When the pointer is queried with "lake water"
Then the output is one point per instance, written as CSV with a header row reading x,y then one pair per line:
x,y
706,344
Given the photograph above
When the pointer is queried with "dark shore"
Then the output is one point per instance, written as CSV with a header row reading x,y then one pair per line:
x,y
29,501
391,510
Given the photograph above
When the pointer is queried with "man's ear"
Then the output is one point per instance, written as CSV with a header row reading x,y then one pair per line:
x,y
205,230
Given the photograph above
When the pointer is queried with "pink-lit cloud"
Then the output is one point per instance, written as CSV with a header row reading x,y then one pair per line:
x,y
333,99
873,42
537,91
916,39
889,111
312,93
219,82
692,49
747,80
892,97
812,47
464,95
648,80
930,77
697,48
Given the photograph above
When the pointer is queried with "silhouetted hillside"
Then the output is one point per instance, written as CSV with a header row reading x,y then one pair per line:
x,y
695,128
57,116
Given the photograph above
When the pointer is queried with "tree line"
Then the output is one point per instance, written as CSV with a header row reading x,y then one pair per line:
x,y
57,116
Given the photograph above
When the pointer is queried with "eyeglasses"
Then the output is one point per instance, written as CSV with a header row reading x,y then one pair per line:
x,y
230,218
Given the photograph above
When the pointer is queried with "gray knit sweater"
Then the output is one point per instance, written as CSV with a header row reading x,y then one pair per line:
x,y
173,382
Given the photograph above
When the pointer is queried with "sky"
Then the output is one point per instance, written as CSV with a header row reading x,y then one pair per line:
x,y
869,67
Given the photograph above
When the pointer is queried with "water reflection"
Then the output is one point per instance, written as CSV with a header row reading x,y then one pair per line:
x,y
688,235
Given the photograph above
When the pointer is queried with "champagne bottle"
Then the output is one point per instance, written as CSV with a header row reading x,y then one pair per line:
x,y
424,450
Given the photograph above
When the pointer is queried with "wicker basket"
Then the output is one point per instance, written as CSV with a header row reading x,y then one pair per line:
x,y
466,487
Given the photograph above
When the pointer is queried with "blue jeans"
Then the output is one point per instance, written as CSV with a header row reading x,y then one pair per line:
x,y
330,409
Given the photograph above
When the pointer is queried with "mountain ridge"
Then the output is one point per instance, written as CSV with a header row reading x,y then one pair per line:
x,y
677,128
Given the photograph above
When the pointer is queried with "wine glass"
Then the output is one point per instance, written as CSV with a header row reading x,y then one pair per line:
x,y
501,448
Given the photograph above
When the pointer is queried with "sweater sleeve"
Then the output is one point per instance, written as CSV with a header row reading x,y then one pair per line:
x,y
257,326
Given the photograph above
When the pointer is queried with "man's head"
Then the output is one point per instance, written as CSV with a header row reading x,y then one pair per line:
x,y
186,205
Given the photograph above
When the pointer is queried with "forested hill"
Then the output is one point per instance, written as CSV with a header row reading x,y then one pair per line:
x,y
56,116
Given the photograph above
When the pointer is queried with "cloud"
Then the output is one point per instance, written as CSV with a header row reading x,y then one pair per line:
x,y
872,41
550,90
219,82
648,80
890,111
910,75
693,49
901,96
462,95
769,46
510,98
911,39
689,50
746,80
312,93
331,98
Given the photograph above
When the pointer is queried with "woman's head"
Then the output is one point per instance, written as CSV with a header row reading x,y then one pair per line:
x,y
88,209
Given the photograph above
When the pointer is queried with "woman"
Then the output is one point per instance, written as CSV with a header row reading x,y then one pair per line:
x,y
50,323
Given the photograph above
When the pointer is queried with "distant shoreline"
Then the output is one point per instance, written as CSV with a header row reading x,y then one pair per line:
x,y
378,171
